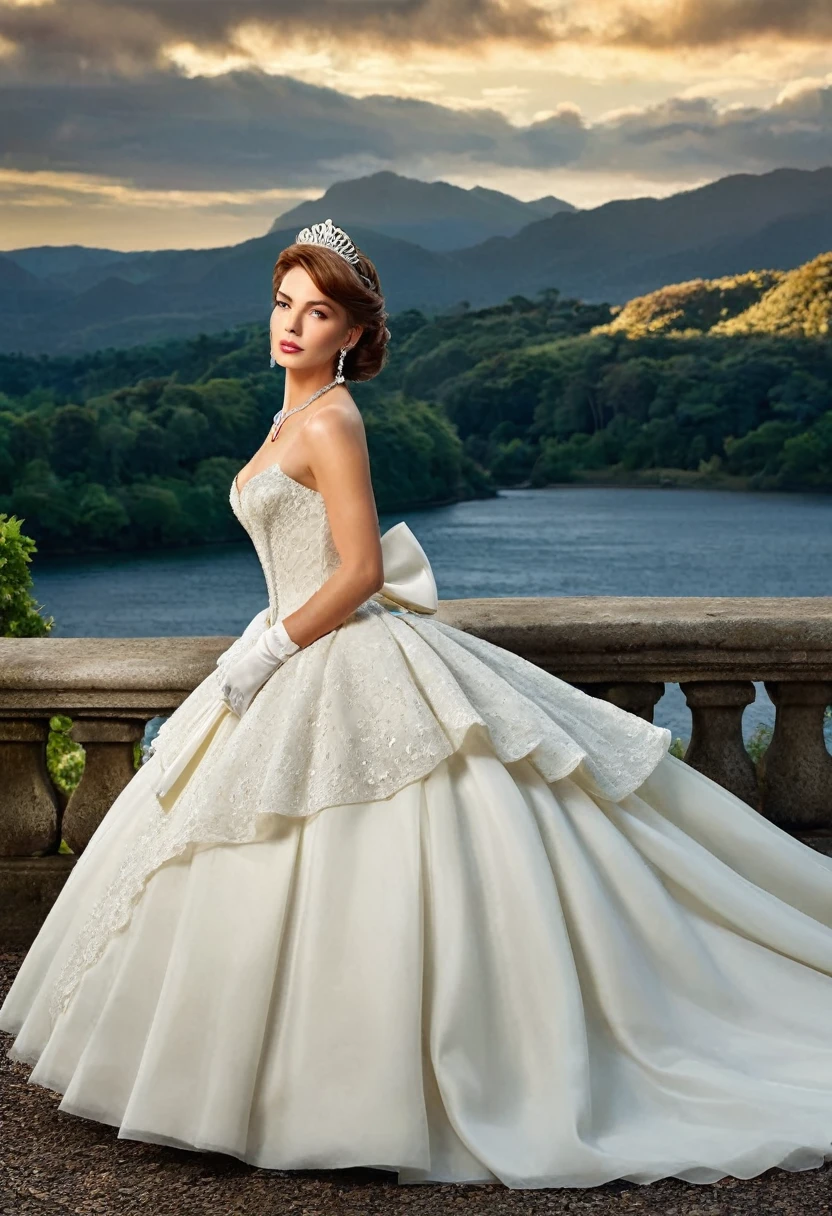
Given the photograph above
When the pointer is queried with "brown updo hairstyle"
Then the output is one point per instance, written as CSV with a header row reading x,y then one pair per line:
x,y
338,280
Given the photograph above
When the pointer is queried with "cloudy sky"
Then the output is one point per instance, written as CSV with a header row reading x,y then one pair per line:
x,y
143,124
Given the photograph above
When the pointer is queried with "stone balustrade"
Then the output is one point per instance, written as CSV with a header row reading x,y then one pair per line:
x,y
624,649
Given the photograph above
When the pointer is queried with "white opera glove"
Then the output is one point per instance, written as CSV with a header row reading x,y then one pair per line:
x,y
257,623
247,674
255,626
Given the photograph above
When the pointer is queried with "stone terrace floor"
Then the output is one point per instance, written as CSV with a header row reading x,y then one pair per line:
x,y
56,1164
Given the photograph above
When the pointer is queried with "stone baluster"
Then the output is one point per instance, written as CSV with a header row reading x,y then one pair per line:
x,y
108,744
29,804
797,784
28,888
716,746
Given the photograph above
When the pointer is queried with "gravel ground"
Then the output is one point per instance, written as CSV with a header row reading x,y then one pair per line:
x,y
53,1163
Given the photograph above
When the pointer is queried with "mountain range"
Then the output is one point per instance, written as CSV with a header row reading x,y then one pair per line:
x,y
435,215
71,299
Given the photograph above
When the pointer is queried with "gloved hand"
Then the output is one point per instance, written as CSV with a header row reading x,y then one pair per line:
x,y
255,626
248,673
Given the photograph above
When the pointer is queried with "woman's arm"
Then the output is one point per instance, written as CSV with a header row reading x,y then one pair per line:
x,y
336,450
340,465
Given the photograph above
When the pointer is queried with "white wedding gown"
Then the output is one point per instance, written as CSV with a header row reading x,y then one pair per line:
x,y
428,908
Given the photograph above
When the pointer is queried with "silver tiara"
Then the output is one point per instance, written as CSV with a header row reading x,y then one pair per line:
x,y
328,234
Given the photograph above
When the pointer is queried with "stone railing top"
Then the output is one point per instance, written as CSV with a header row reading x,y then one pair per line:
x,y
585,639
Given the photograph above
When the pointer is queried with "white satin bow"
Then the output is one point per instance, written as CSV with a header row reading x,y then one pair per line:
x,y
408,578
408,582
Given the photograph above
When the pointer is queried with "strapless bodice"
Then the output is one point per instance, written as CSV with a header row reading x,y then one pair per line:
x,y
289,528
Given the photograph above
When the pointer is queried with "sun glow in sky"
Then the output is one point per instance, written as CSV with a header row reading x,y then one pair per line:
x,y
159,123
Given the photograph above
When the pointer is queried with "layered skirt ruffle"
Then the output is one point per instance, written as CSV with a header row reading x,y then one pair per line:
x,y
484,976
358,715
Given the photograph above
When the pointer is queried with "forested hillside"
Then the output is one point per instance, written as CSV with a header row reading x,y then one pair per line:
x,y
721,382
795,302
137,449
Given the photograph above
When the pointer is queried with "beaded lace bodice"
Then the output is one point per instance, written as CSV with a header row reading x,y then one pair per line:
x,y
353,717
288,526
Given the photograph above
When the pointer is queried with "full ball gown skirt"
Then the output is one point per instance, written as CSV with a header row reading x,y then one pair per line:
x,y
428,908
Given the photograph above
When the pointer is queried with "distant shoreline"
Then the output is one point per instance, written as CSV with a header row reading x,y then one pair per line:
x,y
662,479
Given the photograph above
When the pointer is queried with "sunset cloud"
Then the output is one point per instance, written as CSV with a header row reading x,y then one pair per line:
x,y
134,35
707,23
239,104
250,131
130,34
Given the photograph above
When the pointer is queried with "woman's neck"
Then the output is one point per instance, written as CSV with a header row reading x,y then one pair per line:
x,y
300,385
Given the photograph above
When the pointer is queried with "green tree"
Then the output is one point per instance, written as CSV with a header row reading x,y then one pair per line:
x,y
19,613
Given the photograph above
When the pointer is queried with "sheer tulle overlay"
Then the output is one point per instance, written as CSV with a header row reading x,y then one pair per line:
x,y
549,954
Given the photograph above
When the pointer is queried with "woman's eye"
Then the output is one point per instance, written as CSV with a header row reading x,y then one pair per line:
x,y
283,304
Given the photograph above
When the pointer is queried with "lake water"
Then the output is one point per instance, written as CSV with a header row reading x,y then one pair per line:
x,y
571,540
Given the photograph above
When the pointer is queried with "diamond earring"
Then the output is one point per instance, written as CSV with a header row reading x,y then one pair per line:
x,y
272,361
339,375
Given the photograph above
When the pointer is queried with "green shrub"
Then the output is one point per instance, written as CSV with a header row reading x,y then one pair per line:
x,y
19,614
64,758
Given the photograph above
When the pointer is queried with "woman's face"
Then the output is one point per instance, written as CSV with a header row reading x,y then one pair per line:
x,y
307,330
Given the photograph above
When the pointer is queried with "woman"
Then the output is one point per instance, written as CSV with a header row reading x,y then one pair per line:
x,y
388,895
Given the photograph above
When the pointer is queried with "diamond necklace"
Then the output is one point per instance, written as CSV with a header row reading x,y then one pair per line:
x,y
280,417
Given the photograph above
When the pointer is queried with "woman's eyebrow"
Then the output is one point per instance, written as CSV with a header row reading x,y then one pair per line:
x,y
289,298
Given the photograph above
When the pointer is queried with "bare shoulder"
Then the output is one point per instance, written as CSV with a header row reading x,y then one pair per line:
x,y
337,423
337,454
